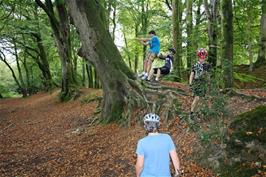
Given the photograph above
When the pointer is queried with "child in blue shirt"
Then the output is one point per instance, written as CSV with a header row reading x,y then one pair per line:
x,y
154,43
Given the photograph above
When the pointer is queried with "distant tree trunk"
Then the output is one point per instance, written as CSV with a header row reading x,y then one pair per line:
x,y
190,51
109,9
61,30
228,43
211,14
96,79
127,52
83,72
118,81
136,51
24,62
249,41
262,44
144,22
90,75
1,96
196,36
114,19
44,64
177,41
22,86
75,66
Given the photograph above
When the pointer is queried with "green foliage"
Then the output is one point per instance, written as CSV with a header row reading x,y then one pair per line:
x,y
8,87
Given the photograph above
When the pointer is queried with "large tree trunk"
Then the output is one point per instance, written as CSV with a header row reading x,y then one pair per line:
x,y
262,44
118,81
211,14
177,38
228,43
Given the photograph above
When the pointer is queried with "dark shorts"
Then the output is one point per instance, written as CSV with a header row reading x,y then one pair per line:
x,y
164,70
199,88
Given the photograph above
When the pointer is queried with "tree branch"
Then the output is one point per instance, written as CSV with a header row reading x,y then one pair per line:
x,y
168,5
48,8
3,58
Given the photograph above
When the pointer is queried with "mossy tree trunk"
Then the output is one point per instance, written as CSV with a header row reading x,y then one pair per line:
x,y
118,81
228,42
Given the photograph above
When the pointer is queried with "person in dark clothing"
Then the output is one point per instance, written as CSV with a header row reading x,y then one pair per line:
x,y
198,79
166,69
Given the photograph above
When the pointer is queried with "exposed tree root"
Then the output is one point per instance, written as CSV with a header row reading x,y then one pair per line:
x,y
232,92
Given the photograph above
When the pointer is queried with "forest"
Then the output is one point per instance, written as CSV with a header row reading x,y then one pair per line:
x,y
72,102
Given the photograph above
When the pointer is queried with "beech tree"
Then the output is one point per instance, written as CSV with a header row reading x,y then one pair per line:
x,y
120,87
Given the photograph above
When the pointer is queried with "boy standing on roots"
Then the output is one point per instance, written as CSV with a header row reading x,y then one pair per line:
x,y
166,69
154,151
154,44
198,79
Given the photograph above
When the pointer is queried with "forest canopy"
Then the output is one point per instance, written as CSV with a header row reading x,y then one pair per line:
x,y
31,60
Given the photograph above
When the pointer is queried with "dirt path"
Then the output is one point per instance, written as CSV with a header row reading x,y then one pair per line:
x,y
41,137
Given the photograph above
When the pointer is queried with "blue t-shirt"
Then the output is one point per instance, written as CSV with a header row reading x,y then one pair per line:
x,y
154,44
156,149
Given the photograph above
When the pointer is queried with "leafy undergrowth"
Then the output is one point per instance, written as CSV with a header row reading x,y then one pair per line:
x,y
39,136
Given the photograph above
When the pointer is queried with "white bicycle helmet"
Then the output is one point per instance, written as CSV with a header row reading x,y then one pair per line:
x,y
151,117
